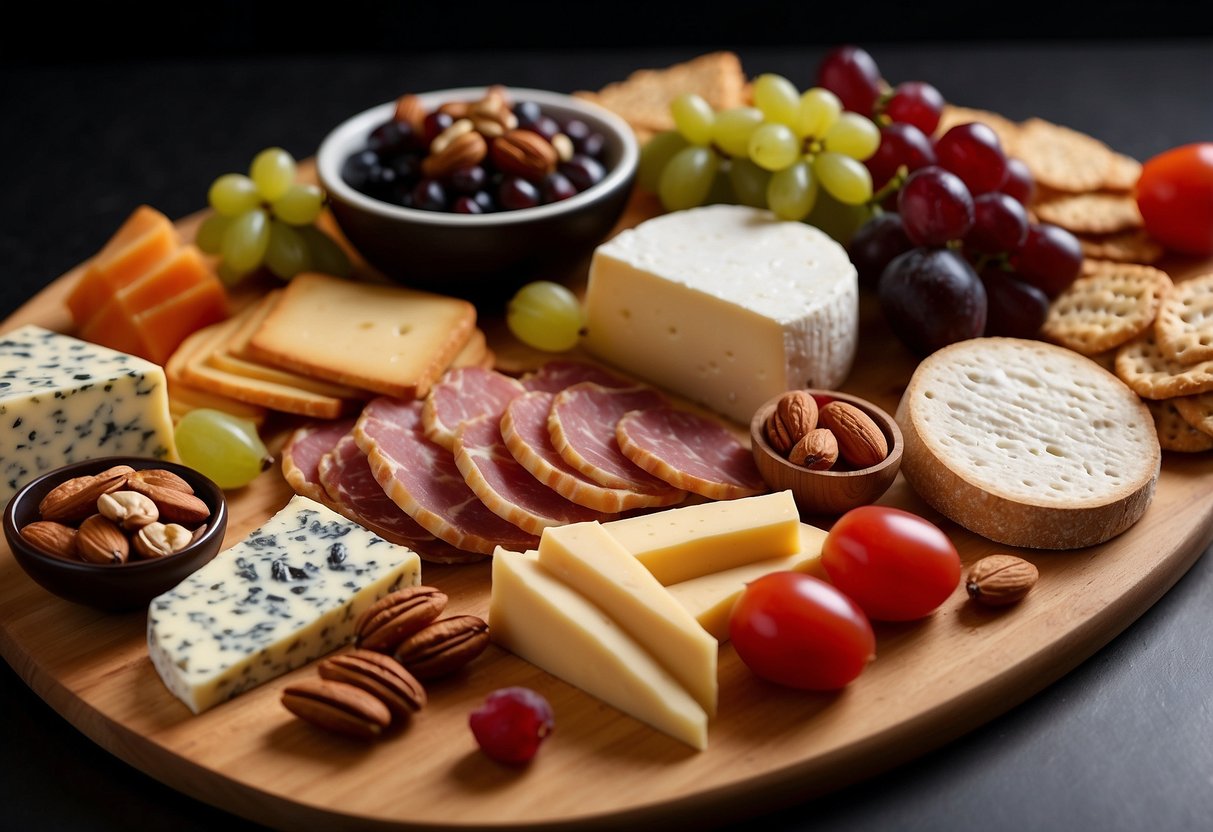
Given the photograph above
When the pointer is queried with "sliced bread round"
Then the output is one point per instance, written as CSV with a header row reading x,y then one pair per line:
x,y
1027,443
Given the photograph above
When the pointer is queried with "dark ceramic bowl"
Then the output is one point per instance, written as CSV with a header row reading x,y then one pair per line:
x,y
479,255
114,587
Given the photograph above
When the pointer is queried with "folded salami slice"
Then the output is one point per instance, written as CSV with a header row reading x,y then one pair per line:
x,y
556,375
691,452
303,451
524,428
422,478
353,490
462,394
582,424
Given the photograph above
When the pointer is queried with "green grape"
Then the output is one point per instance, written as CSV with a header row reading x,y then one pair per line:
x,y
732,128
819,109
245,240
749,182
792,191
693,117
221,447
324,255
545,315
272,171
845,178
773,146
233,194
777,97
836,219
210,233
300,205
721,192
655,155
287,252
853,135
687,178
229,276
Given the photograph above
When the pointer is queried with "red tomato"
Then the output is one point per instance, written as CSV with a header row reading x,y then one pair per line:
x,y
796,630
1175,196
895,565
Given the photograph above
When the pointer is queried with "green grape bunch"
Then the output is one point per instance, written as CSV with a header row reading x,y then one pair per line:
x,y
267,218
798,154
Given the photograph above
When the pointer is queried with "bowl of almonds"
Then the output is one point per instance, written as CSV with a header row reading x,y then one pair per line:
x,y
835,451
115,532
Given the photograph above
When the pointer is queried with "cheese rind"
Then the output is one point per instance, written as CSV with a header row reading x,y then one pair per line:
x,y
683,543
538,618
63,400
288,593
725,305
585,557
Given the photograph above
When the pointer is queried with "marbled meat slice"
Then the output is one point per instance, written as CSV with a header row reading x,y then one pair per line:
x,y
465,393
561,373
524,428
690,451
303,451
582,424
422,478
353,490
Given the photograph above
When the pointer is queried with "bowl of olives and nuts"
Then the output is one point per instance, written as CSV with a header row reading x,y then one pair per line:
x,y
470,191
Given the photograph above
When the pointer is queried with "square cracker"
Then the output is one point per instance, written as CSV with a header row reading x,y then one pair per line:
x,y
384,338
1184,327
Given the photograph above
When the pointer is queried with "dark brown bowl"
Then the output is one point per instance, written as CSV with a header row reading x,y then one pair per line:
x,y
112,587
835,491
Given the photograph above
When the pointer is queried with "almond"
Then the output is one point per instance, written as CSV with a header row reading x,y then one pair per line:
x,y
1000,580
464,151
174,506
817,450
523,153
162,478
860,440
51,537
795,414
101,541
410,110
76,498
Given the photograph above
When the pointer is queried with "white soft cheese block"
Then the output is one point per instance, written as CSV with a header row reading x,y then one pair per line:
x,y
64,400
585,557
679,544
726,305
710,598
541,619
288,593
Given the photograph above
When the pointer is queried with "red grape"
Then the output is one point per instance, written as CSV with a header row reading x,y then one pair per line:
x,y
555,187
1015,309
935,207
931,297
851,73
516,192
511,724
900,144
973,152
877,241
1050,259
917,103
1000,225
1019,185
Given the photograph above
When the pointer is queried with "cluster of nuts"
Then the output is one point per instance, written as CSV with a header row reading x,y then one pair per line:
x,y
118,515
815,437
400,641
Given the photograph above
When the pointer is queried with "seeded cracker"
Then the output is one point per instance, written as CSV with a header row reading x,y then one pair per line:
x,y
1196,410
1174,432
1184,328
1107,307
1062,158
1142,365
1093,213
1134,246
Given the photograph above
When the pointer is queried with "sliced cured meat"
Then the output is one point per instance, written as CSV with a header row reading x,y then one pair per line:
x,y
524,428
509,490
303,451
557,375
691,452
353,490
422,478
582,423
462,394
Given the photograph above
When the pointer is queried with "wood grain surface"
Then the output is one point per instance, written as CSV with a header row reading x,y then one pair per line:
x,y
932,680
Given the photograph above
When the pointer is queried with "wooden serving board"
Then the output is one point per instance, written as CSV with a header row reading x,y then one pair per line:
x,y
932,680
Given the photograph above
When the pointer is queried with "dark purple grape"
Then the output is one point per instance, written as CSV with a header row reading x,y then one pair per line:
x,y
390,137
545,126
527,113
358,169
917,103
850,73
485,200
1050,259
877,241
429,195
900,144
935,207
1019,185
931,297
592,146
1015,309
1000,225
583,171
516,192
380,182
973,152
434,124
468,180
555,187
577,130
406,165
467,205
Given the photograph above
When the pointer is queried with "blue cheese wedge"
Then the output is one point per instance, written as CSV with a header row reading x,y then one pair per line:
x,y
64,400
287,594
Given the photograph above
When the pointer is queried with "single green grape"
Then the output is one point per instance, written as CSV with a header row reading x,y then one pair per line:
x,y
836,219
545,315
324,255
245,240
232,194
286,253
687,178
732,128
300,205
221,447
273,172
655,155
777,98
853,135
721,191
846,179
210,233
819,109
773,146
749,182
792,191
693,118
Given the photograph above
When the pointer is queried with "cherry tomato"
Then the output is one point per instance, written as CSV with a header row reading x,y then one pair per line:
x,y
1175,196
796,630
896,565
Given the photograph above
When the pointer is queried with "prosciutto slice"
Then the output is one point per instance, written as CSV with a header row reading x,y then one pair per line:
x,y
303,451
463,394
690,451
559,374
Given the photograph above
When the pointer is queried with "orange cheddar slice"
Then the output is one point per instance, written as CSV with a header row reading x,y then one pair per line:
x,y
163,327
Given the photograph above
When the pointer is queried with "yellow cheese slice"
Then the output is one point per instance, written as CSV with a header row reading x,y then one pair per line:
x,y
585,557
684,543
709,599
540,619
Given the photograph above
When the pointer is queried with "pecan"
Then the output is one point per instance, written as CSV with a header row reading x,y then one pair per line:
x,y
1000,580
101,541
377,674
444,646
523,153
337,706
464,151
76,498
129,509
817,450
174,506
51,537
860,440
398,615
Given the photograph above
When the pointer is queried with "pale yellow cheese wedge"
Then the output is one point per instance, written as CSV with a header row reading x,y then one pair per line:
x,y
540,619
585,557
709,599
684,543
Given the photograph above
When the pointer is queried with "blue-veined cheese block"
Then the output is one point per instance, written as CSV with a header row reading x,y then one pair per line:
x,y
288,593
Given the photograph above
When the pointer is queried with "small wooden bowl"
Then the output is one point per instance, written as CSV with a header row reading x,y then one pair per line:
x,y
834,491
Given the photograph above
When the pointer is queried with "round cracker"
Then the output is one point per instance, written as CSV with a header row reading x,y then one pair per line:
x,y
1184,328
1132,246
1063,158
1196,410
1174,432
1093,213
1143,366
1108,306
1123,173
